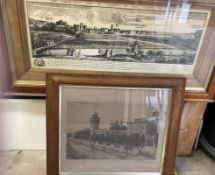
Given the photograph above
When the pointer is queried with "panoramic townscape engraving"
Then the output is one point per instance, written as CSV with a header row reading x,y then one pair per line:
x,y
96,33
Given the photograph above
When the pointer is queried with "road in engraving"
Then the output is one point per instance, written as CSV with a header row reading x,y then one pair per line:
x,y
81,151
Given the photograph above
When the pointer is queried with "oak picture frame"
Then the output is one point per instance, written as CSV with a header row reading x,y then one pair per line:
x,y
56,81
27,80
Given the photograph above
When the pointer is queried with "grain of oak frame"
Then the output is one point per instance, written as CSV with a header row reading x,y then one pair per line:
x,y
54,81
25,80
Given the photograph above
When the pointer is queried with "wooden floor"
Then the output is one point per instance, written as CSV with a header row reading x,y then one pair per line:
x,y
33,163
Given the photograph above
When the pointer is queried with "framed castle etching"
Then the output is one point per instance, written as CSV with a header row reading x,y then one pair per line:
x,y
112,124
124,37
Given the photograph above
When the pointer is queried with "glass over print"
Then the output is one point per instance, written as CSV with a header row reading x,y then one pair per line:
x,y
116,37
165,38
112,129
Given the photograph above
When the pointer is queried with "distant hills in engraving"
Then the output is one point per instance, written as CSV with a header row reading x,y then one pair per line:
x,y
78,41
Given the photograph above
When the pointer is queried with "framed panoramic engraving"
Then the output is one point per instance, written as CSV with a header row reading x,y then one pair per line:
x,y
112,124
129,38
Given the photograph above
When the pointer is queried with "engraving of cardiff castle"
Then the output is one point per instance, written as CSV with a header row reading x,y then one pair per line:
x,y
136,139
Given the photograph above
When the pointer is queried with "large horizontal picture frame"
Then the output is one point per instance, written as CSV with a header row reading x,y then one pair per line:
x,y
76,102
27,72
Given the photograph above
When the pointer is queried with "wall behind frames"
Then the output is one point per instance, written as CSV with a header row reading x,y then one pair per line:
x,y
22,124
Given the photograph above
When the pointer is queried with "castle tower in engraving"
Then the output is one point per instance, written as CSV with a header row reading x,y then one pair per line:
x,y
94,121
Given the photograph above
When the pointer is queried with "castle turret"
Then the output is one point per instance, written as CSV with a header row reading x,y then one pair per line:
x,y
94,121
81,27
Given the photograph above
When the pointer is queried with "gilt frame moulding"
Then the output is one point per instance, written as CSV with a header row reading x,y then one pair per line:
x,y
121,98
140,46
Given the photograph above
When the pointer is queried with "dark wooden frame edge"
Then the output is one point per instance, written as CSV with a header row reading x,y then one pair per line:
x,y
55,80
